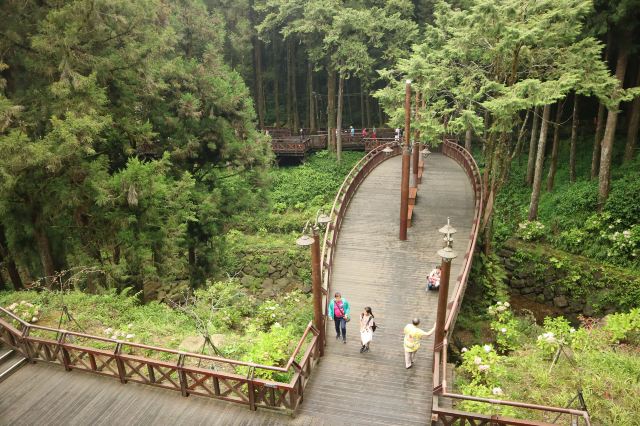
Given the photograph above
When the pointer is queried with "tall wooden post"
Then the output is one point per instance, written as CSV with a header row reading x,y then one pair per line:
x,y
443,295
318,318
416,146
404,188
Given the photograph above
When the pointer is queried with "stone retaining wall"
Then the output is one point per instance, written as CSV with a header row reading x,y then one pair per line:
x,y
572,284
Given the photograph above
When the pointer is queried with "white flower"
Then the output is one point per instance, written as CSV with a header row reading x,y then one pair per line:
x,y
108,330
464,350
114,337
499,303
497,391
130,325
483,367
273,315
34,319
477,360
504,330
487,348
507,304
130,336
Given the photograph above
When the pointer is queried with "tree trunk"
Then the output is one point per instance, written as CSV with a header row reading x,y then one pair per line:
x,y
276,85
610,130
46,256
331,107
597,142
367,105
634,120
12,269
339,119
467,140
312,109
574,140
554,149
294,91
363,122
348,111
289,103
257,65
537,177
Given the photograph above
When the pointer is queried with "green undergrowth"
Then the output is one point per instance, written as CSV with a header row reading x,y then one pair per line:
x,y
242,327
550,364
298,192
568,218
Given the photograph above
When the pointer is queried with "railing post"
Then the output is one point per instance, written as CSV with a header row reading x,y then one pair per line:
x,y
251,389
122,373
182,375
66,359
24,340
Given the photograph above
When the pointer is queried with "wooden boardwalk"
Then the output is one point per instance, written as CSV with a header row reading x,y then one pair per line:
x,y
372,268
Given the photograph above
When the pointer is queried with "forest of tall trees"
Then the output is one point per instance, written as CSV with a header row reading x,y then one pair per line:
x,y
129,130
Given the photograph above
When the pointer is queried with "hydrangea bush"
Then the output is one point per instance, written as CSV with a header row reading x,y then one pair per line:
x,y
531,230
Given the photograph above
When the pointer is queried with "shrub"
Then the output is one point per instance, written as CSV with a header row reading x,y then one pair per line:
x,y
557,332
531,230
26,311
505,326
481,363
624,327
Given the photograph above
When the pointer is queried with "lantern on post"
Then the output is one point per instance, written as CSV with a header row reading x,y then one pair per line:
x,y
447,254
316,281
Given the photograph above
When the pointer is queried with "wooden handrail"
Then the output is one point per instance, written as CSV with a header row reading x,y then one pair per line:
x,y
340,203
140,369
451,149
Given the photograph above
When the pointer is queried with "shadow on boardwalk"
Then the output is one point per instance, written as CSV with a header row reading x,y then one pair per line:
x,y
373,268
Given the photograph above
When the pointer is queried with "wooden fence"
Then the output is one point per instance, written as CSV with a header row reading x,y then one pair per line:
x,y
447,416
187,373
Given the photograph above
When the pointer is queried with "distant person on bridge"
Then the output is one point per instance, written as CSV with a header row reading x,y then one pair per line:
x,y
433,280
397,137
352,131
339,312
374,136
412,335
367,327
364,133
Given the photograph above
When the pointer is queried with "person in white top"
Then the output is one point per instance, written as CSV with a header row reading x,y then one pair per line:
x,y
367,327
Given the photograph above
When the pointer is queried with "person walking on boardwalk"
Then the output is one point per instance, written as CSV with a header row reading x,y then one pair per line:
x,y
412,335
367,327
339,312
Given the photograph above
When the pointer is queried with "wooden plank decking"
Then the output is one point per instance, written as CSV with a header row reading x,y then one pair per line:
x,y
373,268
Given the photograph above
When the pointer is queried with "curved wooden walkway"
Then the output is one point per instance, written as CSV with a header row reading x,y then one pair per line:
x,y
372,268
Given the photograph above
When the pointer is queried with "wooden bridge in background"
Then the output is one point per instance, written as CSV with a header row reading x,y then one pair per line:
x,y
363,258
285,144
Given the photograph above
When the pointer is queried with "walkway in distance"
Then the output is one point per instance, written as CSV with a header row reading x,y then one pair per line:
x,y
372,268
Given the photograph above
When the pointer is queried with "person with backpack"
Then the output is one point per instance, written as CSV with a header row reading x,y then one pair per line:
x,y
367,327
412,336
339,312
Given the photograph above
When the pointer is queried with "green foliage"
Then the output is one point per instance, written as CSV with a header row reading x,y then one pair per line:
x,y
531,230
24,310
557,332
505,326
224,305
488,274
624,327
601,367
482,365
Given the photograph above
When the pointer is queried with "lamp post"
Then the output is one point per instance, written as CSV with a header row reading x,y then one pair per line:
x,y
404,186
447,254
316,279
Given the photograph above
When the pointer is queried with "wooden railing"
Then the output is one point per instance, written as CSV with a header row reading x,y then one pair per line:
x,y
447,416
340,205
187,373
